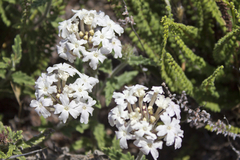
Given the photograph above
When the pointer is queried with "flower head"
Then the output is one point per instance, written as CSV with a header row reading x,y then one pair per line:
x,y
89,35
138,121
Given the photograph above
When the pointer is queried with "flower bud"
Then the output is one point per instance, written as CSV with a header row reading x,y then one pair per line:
x,y
85,37
81,34
138,109
91,32
90,39
152,119
150,110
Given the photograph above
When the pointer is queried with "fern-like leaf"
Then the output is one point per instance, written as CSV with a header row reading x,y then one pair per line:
x,y
174,75
217,52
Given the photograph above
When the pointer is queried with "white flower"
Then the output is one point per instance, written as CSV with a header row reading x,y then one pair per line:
x,y
94,56
46,78
129,95
117,115
178,139
148,96
148,145
68,91
45,88
79,13
169,129
73,28
111,25
40,105
124,134
63,31
64,51
157,89
139,90
134,117
64,70
98,17
118,97
66,108
80,89
88,19
76,45
143,128
173,109
102,36
89,82
162,102
85,108
116,46
85,15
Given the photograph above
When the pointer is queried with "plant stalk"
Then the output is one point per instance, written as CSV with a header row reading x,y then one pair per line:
x,y
140,155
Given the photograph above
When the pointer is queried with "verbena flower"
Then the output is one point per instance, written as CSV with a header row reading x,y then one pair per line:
x,y
54,94
40,106
89,35
137,116
66,108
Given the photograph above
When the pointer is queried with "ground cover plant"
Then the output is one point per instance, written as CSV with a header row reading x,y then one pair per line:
x,y
149,79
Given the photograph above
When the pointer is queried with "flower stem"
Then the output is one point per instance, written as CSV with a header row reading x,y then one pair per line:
x,y
118,68
114,72
139,156
44,14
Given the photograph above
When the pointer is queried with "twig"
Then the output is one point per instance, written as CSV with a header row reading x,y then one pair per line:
x,y
131,21
45,13
25,154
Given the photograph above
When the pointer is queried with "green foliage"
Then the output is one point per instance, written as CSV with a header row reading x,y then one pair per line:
x,y
115,83
9,68
188,43
22,78
27,21
82,127
17,51
221,49
106,66
12,143
227,128
115,152
99,134
211,6
35,140
208,84
174,74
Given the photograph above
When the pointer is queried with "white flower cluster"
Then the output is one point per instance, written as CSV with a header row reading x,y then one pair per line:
x,y
138,121
53,94
89,35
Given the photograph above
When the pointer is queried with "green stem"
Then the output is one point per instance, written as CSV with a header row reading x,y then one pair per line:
x,y
45,13
114,72
140,155
233,18
117,69
6,78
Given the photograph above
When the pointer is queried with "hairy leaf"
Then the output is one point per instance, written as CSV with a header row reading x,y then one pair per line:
x,y
82,127
38,3
99,134
3,65
114,153
2,73
208,84
17,51
116,83
35,140
140,60
22,78
106,66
